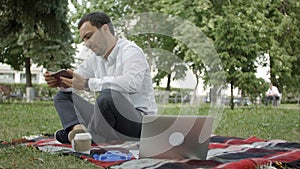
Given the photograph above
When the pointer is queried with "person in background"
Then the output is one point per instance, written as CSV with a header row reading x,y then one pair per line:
x,y
272,95
119,71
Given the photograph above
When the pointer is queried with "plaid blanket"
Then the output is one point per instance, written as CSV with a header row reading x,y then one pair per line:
x,y
224,152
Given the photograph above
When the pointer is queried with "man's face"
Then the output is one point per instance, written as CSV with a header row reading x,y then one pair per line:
x,y
94,38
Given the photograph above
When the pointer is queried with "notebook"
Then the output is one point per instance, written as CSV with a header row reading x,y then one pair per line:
x,y
175,137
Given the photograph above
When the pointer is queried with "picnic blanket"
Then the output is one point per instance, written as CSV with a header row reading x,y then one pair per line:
x,y
224,152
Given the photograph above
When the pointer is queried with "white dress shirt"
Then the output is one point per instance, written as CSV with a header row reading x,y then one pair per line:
x,y
125,70
273,91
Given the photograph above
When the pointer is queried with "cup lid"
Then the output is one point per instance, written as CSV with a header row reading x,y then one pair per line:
x,y
83,136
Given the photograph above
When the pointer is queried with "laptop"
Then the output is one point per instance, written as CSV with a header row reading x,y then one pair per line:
x,y
175,137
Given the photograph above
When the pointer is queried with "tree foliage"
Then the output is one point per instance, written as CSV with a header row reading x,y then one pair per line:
x,y
281,40
244,33
35,31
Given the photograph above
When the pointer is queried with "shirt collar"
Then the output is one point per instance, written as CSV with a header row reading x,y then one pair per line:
x,y
111,58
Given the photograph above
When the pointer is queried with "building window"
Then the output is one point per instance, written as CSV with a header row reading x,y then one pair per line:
x,y
34,78
7,77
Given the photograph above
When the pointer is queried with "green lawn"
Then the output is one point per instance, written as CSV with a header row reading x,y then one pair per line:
x,y
281,122
23,119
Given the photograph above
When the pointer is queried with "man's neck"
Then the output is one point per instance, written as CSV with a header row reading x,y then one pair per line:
x,y
111,48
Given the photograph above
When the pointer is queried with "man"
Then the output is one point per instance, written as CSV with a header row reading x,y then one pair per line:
x,y
272,94
118,69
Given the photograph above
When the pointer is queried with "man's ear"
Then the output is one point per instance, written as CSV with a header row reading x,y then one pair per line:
x,y
105,27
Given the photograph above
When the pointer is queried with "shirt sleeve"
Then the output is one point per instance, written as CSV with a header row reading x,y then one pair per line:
x,y
276,92
85,69
268,91
132,67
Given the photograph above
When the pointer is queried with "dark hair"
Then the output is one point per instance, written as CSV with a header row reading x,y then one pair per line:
x,y
97,19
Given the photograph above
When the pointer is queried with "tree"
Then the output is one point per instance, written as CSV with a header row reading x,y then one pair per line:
x,y
281,40
198,50
35,31
242,32
235,40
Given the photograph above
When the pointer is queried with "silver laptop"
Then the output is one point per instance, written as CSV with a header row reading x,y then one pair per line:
x,y
175,137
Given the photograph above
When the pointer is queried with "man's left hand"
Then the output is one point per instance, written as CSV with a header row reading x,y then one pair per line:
x,y
76,82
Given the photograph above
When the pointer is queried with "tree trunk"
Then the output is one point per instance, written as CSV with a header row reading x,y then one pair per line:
x,y
29,88
167,92
231,93
28,72
168,88
242,98
194,96
272,71
150,57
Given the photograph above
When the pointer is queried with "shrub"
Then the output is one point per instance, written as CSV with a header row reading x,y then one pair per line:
x,y
42,91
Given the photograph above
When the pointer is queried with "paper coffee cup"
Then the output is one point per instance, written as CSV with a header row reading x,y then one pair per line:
x,y
82,143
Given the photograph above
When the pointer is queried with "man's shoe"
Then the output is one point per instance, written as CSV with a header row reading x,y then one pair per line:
x,y
62,136
79,128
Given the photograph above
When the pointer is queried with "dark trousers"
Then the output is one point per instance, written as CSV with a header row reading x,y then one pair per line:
x,y
112,117
274,100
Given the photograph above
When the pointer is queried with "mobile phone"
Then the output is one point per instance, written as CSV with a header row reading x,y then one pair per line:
x,y
61,73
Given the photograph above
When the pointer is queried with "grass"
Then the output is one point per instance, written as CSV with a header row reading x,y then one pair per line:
x,y
24,157
23,119
264,122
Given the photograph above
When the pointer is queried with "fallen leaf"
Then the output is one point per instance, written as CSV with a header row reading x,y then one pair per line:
x,y
38,159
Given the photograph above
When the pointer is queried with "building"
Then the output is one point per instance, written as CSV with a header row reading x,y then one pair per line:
x,y
8,75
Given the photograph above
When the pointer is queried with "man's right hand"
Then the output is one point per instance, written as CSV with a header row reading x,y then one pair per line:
x,y
51,81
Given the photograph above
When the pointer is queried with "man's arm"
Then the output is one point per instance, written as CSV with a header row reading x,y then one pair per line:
x,y
276,91
268,92
85,69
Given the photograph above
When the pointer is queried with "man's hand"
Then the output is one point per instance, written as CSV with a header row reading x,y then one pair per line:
x,y
77,82
51,81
